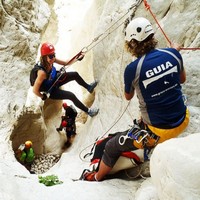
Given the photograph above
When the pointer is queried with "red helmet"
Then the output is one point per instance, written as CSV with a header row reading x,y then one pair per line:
x,y
65,105
64,123
47,49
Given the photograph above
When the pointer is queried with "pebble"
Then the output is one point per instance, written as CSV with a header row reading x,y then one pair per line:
x,y
42,163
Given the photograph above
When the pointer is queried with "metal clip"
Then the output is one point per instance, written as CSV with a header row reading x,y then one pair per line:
x,y
143,137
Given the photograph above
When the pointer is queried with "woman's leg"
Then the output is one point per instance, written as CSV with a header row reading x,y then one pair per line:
x,y
72,76
59,94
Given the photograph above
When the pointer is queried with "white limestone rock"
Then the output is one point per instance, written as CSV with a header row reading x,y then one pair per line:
x,y
175,166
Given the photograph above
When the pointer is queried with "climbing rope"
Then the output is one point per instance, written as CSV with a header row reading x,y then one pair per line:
x,y
90,46
95,40
101,37
148,7
108,31
126,108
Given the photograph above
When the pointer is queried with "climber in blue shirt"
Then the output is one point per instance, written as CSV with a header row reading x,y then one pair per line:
x,y
155,76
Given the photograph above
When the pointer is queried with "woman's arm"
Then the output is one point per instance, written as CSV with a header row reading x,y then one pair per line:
x,y
61,62
69,62
38,82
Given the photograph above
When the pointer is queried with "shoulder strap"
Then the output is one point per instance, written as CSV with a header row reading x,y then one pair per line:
x,y
37,65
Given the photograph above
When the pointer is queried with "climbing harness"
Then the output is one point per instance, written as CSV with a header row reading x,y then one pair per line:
x,y
138,136
148,7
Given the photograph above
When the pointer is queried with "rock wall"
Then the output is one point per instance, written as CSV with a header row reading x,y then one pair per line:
x,y
180,22
110,58
24,24
177,173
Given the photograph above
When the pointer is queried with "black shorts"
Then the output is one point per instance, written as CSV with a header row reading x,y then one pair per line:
x,y
113,149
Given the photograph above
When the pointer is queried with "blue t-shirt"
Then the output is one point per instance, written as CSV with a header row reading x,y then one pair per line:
x,y
157,84
51,78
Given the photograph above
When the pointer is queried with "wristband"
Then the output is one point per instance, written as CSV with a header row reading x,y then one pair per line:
x,y
95,177
81,58
44,97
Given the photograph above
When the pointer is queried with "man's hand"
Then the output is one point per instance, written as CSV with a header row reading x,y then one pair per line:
x,y
175,46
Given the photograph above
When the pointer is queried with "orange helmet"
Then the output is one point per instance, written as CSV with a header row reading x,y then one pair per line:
x,y
64,123
65,105
47,49
28,144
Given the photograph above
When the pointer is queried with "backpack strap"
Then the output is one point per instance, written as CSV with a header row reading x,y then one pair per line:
x,y
39,66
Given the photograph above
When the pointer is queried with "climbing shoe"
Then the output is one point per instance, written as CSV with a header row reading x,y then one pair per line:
x,y
93,111
58,129
92,86
90,176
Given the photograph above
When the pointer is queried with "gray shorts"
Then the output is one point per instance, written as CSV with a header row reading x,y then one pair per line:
x,y
113,149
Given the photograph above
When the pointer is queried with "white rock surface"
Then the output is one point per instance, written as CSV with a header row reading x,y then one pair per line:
x,y
175,166
24,25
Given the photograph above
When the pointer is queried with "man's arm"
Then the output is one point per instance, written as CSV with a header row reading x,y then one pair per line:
x,y
182,76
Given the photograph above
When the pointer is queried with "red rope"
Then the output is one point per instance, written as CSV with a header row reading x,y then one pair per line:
x,y
190,48
149,8
76,56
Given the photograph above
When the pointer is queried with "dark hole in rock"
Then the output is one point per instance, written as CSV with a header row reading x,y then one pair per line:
x,y
31,126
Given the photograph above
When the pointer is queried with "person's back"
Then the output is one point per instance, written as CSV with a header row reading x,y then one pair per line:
x,y
70,112
158,87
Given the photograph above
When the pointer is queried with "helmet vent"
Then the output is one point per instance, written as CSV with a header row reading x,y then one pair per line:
x,y
139,29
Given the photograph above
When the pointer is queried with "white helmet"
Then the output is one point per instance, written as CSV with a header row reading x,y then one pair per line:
x,y
139,29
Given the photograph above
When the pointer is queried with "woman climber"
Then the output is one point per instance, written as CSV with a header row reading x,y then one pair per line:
x,y
47,79
156,76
